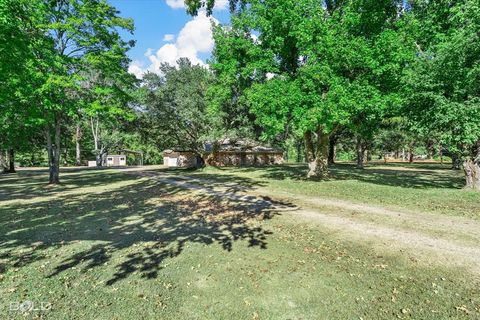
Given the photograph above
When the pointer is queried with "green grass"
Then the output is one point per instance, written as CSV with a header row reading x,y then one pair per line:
x,y
107,245
426,187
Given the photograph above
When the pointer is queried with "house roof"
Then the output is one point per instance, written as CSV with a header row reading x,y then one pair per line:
x,y
178,150
229,145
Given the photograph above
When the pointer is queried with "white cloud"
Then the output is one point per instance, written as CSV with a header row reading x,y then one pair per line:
x,y
221,4
168,37
136,69
176,4
194,38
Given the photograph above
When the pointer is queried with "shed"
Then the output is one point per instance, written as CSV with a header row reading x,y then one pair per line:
x,y
116,160
180,158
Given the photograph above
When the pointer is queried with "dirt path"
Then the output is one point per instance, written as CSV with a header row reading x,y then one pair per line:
x,y
428,238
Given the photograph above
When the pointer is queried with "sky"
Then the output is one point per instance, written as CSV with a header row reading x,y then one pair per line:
x,y
164,32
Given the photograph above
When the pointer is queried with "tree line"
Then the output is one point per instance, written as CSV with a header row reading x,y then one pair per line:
x,y
381,74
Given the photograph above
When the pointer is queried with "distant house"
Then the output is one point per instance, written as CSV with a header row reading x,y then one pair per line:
x,y
116,160
224,154
241,153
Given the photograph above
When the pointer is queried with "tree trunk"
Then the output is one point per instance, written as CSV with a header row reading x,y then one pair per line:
x,y
3,164
100,157
309,147
411,155
200,161
11,161
456,162
317,154
440,151
472,170
360,153
472,174
430,150
331,151
78,151
299,152
53,148
100,149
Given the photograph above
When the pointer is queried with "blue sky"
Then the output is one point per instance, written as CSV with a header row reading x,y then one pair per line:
x,y
164,32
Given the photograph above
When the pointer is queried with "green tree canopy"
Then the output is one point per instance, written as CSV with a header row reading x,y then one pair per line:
x,y
175,106
443,85
312,69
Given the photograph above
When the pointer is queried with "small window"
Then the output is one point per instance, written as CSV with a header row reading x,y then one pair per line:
x,y
110,159
122,159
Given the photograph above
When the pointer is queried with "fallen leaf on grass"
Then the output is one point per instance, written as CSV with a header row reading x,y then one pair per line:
x,y
463,308
405,311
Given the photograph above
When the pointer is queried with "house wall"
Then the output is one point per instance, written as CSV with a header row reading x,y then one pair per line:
x,y
225,159
113,161
180,159
187,160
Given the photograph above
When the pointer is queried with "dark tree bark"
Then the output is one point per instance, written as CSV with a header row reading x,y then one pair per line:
x,y
53,149
331,151
316,149
360,153
33,159
11,161
411,156
456,162
299,152
440,152
200,161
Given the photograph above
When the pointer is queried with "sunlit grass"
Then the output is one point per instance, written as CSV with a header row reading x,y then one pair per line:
x,y
107,245
430,188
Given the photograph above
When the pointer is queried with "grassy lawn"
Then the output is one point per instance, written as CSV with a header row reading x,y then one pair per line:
x,y
427,187
111,245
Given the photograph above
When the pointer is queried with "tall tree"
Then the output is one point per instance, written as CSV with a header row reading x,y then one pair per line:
x,y
83,36
315,68
443,85
17,36
175,103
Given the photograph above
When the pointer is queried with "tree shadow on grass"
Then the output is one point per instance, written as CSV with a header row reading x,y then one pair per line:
x,y
143,224
418,176
36,182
